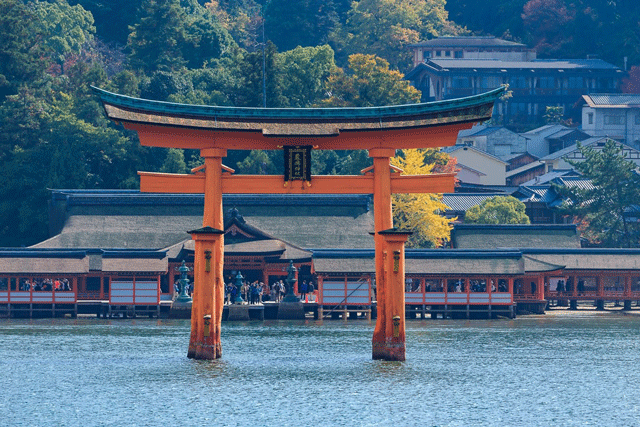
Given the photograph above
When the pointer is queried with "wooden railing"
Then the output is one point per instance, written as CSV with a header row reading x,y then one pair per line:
x,y
41,297
457,298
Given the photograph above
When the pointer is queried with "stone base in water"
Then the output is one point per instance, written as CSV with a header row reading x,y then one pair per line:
x,y
238,312
290,310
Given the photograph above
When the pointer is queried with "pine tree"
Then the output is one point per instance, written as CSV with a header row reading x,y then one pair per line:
x,y
604,209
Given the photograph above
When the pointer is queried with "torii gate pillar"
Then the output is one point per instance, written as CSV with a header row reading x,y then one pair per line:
x,y
388,339
389,334
208,288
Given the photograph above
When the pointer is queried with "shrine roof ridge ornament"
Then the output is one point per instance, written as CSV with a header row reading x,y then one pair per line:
x,y
298,121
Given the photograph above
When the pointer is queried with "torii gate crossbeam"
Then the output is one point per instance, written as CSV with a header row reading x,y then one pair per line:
x,y
214,130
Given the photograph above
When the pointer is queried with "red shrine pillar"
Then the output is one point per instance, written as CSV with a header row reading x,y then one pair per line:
x,y
394,307
383,219
208,292
206,310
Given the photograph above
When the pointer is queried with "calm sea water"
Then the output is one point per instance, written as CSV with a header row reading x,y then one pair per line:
x,y
554,370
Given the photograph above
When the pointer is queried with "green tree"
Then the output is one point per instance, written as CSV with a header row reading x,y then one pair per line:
x,y
260,162
370,83
253,71
112,17
174,162
65,29
386,28
241,18
20,51
602,211
307,24
498,210
502,18
156,40
553,115
303,73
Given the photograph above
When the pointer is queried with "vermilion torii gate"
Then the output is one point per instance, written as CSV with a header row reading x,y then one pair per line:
x,y
214,130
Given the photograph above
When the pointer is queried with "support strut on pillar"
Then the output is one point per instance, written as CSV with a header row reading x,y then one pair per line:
x,y
391,319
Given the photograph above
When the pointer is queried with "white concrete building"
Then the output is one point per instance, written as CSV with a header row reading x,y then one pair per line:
x,y
478,167
615,115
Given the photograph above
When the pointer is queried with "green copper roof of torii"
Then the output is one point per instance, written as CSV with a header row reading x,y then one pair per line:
x,y
251,113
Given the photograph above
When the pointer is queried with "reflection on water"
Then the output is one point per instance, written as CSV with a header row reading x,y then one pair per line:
x,y
579,369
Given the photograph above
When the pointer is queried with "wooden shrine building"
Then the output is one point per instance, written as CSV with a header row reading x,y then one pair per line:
x,y
105,240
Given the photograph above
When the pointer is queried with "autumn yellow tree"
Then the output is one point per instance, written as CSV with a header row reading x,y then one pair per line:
x,y
420,213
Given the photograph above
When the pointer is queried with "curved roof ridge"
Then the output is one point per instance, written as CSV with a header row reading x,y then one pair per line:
x,y
128,102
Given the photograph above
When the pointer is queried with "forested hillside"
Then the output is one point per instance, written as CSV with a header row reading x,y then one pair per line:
x,y
308,53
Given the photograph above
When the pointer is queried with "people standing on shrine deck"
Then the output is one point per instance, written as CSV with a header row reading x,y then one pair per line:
x,y
311,288
303,290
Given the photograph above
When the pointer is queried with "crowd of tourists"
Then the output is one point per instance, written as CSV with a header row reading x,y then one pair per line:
x,y
257,292
59,285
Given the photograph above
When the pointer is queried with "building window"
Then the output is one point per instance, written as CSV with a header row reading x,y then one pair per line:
x,y
590,116
518,82
613,119
438,53
546,83
490,82
447,53
461,82
427,54
576,82
457,54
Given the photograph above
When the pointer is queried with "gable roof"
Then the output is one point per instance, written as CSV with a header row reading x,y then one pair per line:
x,y
468,42
479,130
612,100
112,219
455,148
549,176
536,64
462,202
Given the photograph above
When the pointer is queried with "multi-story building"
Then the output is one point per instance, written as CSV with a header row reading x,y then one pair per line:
x,y
453,72
614,115
470,48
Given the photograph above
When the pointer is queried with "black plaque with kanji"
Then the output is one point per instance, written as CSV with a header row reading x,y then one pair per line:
x,y
297,163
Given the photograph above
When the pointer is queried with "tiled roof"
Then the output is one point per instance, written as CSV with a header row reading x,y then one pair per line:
x,y
549,176
576,182
610,99
537,64
473,41
455,148
461,202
